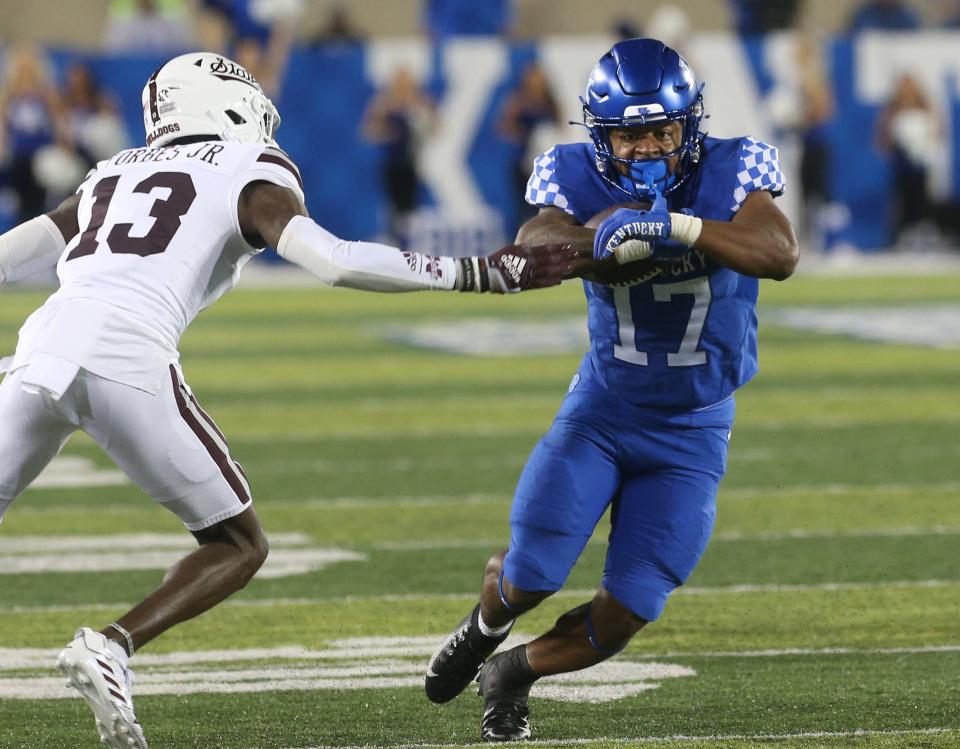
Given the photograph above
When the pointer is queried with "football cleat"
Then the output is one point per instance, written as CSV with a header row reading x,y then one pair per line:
x,y
506,716
93,670
457,661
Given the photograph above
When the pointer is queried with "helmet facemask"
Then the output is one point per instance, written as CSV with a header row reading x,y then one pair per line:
x,y
645,176
254,120
643,82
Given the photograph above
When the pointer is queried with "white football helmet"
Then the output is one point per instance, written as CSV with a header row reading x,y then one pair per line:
x,y
206,94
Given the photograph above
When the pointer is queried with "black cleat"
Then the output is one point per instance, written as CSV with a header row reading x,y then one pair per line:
x,y
505,682
458,659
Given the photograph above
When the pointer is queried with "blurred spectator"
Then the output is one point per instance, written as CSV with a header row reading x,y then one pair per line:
x,y
399,117
258,34
529,107
950,14
817,109
95,128
760,16
148,26
908,130
338,29
251,19
267,63
884,15
31,118
624,28
671,25
446,18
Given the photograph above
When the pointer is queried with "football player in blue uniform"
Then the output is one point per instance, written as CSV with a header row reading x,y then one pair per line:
x,y
690,223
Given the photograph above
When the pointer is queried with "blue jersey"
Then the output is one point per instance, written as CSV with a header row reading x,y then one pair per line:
x,y
688,338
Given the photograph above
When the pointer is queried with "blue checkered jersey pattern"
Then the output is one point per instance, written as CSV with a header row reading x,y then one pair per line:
x,y
759,169
688,338
542,189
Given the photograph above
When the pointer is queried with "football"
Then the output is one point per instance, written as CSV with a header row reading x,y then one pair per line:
x,y
628,274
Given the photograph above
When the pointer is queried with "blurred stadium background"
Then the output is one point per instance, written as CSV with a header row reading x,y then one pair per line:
x,y
431,113
383,434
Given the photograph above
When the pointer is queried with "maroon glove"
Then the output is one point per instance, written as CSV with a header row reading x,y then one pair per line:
x,y
520,267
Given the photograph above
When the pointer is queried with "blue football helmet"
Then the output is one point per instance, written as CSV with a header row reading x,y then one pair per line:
x,y
643,82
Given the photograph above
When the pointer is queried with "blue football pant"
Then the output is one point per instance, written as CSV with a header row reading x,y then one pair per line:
x,y
659,471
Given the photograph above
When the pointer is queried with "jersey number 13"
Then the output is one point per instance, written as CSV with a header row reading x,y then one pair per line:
x,y
167,213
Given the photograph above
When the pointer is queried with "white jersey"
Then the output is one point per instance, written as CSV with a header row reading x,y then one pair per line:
x,y
159,240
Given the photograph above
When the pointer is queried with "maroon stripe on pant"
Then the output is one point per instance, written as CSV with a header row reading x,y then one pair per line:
x,y
221,458
206,418
269,158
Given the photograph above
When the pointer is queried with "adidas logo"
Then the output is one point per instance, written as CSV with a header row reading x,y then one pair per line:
x,y
514,265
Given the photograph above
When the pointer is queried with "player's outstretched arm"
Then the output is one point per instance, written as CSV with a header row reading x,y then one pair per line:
x,y
37,244
273,215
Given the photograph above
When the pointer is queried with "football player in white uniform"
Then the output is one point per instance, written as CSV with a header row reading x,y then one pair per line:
x,y
153,236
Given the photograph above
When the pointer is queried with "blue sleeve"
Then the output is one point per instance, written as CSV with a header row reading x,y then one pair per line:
x,y
759,169
543,187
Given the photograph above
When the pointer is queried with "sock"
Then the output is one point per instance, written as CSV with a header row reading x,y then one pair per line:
x,y
488,631
518,670
118,652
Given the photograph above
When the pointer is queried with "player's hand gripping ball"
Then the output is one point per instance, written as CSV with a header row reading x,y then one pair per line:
x,y
611,273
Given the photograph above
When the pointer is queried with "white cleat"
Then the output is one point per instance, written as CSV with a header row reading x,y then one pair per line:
x,y
104,683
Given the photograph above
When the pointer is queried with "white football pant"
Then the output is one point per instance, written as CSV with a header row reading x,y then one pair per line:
x,y
166,444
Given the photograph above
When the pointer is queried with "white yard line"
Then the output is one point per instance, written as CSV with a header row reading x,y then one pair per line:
x,y
133,541
722,536
386,651
291,554
375,431
635,740
836,489
733,493
799,533
410,464
571,593
603,683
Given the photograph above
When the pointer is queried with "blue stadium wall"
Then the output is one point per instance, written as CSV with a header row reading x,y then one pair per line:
x,y
751,88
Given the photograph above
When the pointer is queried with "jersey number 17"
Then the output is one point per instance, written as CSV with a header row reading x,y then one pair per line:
x,y
688,355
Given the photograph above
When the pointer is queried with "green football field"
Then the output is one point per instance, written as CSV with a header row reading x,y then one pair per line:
x,y
826,612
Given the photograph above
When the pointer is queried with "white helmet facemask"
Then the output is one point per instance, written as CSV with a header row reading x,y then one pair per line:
x,y
206,94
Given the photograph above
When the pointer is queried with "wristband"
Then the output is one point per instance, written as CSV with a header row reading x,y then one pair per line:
x,y
632,249
472,275
685,229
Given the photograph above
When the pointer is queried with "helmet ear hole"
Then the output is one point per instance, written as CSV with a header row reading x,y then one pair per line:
x,y
235,117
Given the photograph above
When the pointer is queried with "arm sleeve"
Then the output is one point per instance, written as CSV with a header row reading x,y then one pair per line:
x,y
543,189
29,248
759,169
362,265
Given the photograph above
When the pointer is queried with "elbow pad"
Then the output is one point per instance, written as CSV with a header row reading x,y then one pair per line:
x,y
30,247
362,265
